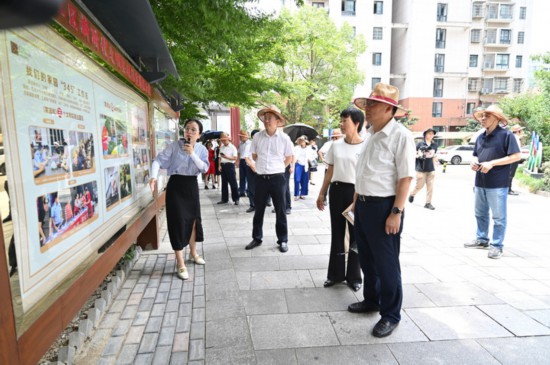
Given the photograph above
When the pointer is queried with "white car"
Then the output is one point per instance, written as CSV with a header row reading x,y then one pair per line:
x,y
456,155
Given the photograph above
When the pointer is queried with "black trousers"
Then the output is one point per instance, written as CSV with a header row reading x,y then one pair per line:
x,y
341,196
244,170
379,256
229,177
251,185
513,168
273,185
287,188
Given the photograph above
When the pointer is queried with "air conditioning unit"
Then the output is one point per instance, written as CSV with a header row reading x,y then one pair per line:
x,y
485,91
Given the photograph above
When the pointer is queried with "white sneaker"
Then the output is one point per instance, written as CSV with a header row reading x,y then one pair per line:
x,y
199,260
182,273
495,253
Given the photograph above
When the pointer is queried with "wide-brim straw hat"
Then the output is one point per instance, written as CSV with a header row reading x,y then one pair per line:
x,y
516,128
224,136
272,109
243,133
494,110
383,93
303,137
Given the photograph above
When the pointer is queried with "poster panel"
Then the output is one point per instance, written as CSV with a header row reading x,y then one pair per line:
x,y
166,131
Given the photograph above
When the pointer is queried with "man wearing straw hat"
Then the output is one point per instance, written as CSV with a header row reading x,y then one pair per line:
x,y
272,151
494,151
228,158
517,131
385,169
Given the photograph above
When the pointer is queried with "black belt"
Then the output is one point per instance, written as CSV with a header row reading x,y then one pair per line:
x,y
270,176
228,163
365,198
341,183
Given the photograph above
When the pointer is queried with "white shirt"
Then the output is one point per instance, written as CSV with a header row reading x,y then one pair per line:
x,y
271,152
387,156
324,150
244,149
229,151
302,154
343,156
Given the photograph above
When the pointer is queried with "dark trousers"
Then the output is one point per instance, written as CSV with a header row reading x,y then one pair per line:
x,y
379,256
273,185
229,177
287,188
513,168
243,176
251,184
341,196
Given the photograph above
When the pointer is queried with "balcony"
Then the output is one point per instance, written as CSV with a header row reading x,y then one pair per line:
x,y
492,43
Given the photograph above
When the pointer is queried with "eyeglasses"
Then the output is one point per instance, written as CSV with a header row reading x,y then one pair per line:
x,y
334,138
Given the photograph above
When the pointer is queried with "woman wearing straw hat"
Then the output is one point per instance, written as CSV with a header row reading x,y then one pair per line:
x,y
302,155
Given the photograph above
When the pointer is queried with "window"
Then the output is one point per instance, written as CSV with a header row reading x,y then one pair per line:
x,y
473,85
439,62
487,87
475,35
503,61
377,33
477,10
489,61
470,108
492,11
505,36
377,59
437,109
378,7
501,84
518,83
491,36
318,5
440,36
374,81
473,60
441,12
519,61
348,7
522,12
438,88
505,11
521,37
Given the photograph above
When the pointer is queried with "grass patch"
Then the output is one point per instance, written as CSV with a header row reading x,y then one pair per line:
x,y
532,183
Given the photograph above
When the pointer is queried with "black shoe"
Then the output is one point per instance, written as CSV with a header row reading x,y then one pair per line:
x,y
511,192
429,206
283,247
269,204
411,198
252,244
250,210
273,210
221,202
7,219
355,286
329,283
237,202
384,328
363,307
206,187
287,212
13,270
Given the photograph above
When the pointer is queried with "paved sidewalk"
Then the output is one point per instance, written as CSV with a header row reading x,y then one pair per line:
x,y
265,307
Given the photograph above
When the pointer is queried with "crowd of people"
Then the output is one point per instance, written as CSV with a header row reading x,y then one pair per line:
x,y
368,175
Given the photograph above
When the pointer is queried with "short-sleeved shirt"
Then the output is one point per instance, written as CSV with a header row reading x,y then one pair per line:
x,y
387,156
325,148
425,156
343,156
230,151
271,152
498,144
244,149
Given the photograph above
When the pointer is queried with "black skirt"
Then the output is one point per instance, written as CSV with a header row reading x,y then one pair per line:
x,y
183,209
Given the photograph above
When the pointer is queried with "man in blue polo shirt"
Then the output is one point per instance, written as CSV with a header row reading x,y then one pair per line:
x,y
494,151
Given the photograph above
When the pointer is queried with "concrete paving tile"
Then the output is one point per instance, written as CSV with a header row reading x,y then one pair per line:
x,y
161,297
314,249
196,350
264,302
146,304
336,298
531,287
416,275
507,273
319,276
453,323
355,329
275,357
198,315
456,352
239,251
170,319
139,288
242,355
148,343
166,336
514,320
121,327
158,309
199,290
162,355
127,354
280,280
491,285
178,358
134,299
221,291
227,332
109,320
118,306
135,334
108,360
361,354
199,301
172,305
175,293
129,312
303,262
184,324
217,265
521,300
198,331
542,316
307,239
323,238
186,309
186,297
216,252
269,248
518,351
154,324
243,280
164,286
277,331
141,319
450,294
414,298
144,359
225,308
255,263
113,346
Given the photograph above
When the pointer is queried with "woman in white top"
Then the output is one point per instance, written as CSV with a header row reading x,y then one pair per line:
x,y
341,159
302,156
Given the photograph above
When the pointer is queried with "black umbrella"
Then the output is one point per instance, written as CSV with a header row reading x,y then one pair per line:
x,y
300,129
208,135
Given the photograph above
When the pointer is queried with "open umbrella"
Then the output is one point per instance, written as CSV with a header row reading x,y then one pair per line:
x,y
208,135
300,129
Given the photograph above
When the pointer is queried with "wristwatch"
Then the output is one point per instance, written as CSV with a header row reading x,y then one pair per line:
x,y
396,210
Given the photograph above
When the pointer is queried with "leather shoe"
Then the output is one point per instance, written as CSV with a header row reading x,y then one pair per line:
x,y
252,244
251,209
221,202
384,328
355,286
269,204
363,307
283,247
287,211
329,283
237,202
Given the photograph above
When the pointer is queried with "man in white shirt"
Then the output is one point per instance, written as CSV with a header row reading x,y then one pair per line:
x,y
244,171
228,156
272,151
385,169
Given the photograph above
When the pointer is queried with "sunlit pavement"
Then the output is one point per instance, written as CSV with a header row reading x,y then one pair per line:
x,y
266,307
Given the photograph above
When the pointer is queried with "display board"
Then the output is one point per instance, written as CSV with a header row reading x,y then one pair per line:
x,y
77,151
166,132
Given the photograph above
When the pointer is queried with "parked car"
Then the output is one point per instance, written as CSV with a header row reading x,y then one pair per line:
x,y
456,155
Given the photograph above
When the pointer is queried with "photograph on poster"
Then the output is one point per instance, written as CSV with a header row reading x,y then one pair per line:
x,y
82,156
112,195
141,167
63,211
49,153
125,181
114,138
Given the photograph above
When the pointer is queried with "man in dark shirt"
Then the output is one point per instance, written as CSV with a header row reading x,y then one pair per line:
x,y
425,169
494,151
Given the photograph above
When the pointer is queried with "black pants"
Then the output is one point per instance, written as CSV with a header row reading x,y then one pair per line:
x,y
341,196
244,170
513,168
229,177
379,256
273,185
287,188
251,184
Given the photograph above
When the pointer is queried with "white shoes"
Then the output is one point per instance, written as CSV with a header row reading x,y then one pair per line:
x,y
198,260
182,273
